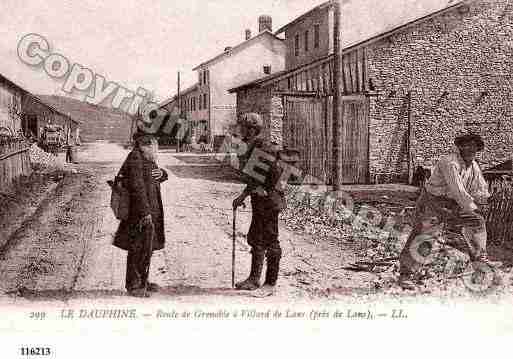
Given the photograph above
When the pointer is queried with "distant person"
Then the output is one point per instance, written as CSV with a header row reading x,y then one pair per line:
x,y
77,137
143,231
69,153
187,141
203,142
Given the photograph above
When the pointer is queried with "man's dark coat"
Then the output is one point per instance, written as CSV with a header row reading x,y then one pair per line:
x,y
145,198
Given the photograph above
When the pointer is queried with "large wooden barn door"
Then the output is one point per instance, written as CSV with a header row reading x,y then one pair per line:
x,y
307,127
355,139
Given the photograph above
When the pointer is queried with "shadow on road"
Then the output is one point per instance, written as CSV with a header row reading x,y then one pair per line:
x,y
203,167
211,173
197,160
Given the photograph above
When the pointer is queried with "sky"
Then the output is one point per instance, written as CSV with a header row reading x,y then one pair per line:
x,y
135,43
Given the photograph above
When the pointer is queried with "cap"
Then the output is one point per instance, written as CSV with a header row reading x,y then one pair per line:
x,y
470,137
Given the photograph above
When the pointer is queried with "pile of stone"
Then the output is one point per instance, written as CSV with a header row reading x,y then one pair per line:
x,y
42,160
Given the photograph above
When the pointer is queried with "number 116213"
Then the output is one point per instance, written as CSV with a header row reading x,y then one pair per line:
x,y
35,351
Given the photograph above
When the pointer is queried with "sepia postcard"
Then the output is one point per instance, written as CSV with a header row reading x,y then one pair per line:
x,y
282,177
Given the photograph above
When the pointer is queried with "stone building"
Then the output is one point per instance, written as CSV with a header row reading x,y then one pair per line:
x,y
457,67
423,72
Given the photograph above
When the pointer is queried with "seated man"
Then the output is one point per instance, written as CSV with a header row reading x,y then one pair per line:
x,y
450,196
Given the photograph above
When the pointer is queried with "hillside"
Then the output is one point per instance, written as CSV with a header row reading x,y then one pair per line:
x,y
97,122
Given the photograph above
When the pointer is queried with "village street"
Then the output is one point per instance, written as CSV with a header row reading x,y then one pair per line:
x,y
60,248
64,249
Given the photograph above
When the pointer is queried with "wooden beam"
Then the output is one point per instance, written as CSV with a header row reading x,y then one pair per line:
x,y
296,93
409,143
3,157
337,121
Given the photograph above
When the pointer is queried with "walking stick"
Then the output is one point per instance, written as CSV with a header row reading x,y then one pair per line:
x,y
233,247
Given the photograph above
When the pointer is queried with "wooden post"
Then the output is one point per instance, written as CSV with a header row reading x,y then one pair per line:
x,y
337,121
179,114
409,143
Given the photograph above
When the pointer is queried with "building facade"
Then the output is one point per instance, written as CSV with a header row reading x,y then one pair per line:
x,y
255,57
309,37
409,84
448,74
37,114
189,108
23,112
11,97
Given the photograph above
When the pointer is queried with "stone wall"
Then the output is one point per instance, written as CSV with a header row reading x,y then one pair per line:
x,y
458,67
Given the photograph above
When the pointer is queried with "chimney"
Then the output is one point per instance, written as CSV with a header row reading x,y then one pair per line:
x,y
248,34
265,22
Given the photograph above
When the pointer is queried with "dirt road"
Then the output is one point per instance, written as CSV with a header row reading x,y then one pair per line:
x,y
63,249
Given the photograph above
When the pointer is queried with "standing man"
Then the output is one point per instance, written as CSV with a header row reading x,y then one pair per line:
x,y
267,200
69,146
69,153
143,231
452,196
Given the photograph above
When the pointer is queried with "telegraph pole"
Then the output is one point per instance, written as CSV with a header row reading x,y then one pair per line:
x,y
337,120
179,115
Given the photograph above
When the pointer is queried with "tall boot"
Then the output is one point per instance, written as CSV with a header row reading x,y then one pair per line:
x,y
257,263
271,274
273,267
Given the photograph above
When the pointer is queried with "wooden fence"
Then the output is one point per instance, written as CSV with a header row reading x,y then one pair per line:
x,y
14,162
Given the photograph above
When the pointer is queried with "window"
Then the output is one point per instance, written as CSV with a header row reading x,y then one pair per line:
x,y
306,40
267,69
205,77
205,101
296,45
316,36
208,76
200,75
199,102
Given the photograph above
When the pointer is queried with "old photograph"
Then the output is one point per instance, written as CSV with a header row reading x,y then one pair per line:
x,y
175,165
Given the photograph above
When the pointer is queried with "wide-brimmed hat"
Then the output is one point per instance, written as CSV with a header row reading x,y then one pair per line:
x,y
470,137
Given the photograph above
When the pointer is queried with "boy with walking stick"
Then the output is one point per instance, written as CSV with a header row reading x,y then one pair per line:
x,y
267,200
